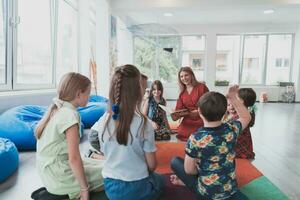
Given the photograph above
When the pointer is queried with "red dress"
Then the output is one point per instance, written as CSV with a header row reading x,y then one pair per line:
x,y
190,124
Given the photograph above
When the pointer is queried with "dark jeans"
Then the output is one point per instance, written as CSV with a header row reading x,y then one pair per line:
x,y
191,181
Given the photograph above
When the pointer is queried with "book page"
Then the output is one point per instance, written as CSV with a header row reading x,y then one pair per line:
x,y
167,109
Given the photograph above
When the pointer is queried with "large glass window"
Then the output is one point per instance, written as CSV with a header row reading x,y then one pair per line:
x,y
227,59
253,59
279,59
34,64
144,55
3,43
67,58
193,54
31,37
168,58
160,57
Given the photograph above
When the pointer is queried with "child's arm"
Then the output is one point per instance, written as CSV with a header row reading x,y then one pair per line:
x,y
242,111
145,103
75,160
190,166
151,161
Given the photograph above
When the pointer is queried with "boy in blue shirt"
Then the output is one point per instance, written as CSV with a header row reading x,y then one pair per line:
x,y
208,168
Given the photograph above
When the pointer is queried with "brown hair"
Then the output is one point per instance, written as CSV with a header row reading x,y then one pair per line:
x,y
190,71
126,92
159,87
248,95
68,87
213,106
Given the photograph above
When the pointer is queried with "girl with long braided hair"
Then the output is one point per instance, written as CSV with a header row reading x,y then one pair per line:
x,y
127,141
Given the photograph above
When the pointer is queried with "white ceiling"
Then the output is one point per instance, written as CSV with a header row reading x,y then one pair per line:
x,y
206,11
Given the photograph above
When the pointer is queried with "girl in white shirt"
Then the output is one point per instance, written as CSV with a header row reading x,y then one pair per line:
x,y
127,140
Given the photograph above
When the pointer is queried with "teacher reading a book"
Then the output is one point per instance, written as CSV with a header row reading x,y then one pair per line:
x,y
190,92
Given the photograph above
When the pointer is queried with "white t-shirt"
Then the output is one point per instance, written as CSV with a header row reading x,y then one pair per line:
x,y
127,163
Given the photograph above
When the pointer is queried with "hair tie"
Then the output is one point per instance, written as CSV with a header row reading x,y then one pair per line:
x,y
252,109
58,102
115,108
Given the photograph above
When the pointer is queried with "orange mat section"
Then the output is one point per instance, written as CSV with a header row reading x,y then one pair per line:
x,y
245,171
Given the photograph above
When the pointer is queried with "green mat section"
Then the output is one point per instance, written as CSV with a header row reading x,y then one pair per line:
x,y
262,188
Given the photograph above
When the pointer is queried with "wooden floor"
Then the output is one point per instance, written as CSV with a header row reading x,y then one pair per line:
x,y
276,137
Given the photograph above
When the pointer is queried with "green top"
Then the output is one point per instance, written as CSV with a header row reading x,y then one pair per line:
x,y
52,156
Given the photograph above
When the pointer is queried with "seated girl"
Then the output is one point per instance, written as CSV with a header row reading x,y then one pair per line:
x,y
155,113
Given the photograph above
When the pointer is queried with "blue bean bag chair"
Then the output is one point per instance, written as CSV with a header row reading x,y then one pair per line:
x,y
18,125
97,98
96,107
9,159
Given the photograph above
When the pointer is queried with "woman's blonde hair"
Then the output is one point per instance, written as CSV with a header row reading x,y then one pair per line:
x,y
190,72
68,87
126,93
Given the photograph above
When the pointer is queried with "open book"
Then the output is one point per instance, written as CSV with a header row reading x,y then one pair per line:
x,y
170,111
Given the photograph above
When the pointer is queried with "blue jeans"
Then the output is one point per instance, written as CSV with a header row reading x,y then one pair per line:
x,y
191,181
149,188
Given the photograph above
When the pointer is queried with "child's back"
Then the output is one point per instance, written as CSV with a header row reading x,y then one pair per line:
x,y
217,167
127,141
210,151
126,162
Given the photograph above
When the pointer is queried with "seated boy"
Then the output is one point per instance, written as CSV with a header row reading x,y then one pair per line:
x,y
208,169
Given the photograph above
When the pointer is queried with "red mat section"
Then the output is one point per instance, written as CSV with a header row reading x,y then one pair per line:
x,y
245,171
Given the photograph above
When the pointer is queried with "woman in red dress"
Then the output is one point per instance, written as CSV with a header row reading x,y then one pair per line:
x,y
190,92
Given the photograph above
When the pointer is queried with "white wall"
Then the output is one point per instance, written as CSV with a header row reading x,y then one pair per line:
x,y
9,100
125,44
212,30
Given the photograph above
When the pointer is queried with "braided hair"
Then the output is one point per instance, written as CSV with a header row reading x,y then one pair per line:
x,y
125,96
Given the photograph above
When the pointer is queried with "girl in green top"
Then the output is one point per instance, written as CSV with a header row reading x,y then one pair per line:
x,y
58,158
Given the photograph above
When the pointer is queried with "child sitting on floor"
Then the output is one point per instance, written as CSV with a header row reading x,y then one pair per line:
x,y
208,169
155,113
244,145
60,166
127,141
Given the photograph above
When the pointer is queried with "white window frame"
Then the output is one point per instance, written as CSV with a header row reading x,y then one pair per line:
x,y
12,21
8,46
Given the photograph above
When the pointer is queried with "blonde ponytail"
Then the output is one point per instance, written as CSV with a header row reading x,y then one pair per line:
x,y
44,121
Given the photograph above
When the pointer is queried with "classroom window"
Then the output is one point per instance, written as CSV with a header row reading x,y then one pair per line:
x,y
227,58
253,59
34,62
193,54
278,63
67,56
160,57
144,55
31,37
3,27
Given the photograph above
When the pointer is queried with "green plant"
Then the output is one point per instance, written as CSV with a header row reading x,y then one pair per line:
x,y
221,83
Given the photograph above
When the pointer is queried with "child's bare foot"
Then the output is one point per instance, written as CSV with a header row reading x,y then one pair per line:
x,y
175,180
